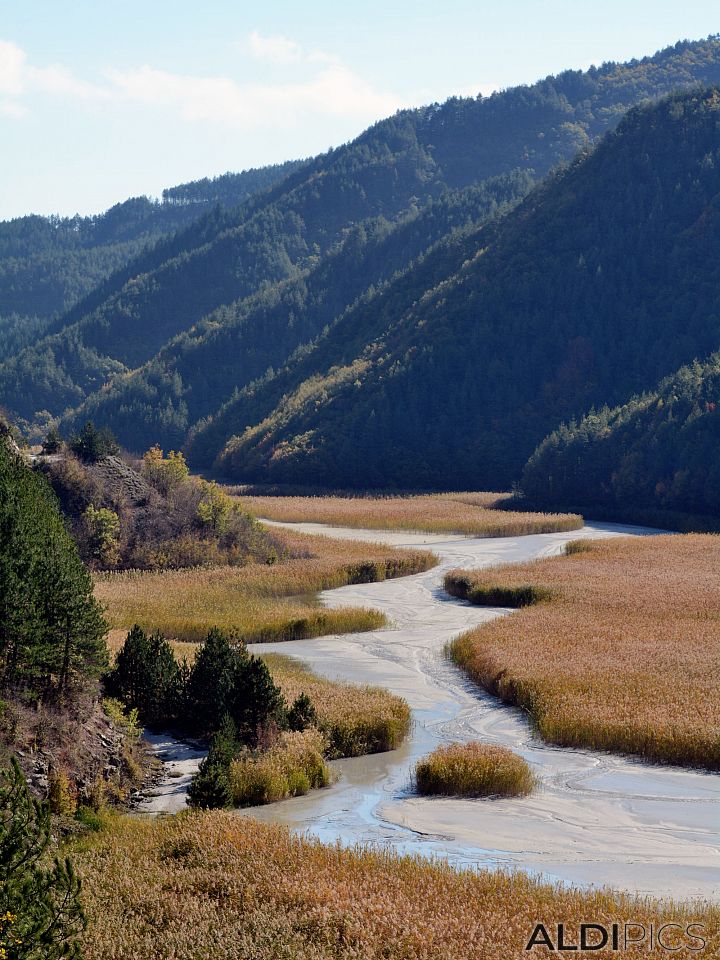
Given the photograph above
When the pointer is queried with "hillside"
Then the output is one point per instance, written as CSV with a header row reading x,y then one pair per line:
x,y
48,264
203,274
659,451
600,283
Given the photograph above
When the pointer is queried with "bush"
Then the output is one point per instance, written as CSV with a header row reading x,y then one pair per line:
x,y
474,770
291,768
464,587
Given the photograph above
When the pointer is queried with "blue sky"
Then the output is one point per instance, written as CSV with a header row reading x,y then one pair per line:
x,y
102,100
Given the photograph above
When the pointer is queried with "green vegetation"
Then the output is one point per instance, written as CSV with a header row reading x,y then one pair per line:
x,y
51,627
149,514
580,273
41,914
290,768
48,264
232,297
656,458
474,770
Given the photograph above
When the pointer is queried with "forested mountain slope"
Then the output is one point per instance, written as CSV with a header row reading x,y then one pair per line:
x,y
659,451
396,166
47,264
198,371
603,281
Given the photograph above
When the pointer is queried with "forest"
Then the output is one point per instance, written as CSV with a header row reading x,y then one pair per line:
x,y
210,329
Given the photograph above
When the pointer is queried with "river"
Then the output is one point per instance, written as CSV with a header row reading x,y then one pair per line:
x,y
596,819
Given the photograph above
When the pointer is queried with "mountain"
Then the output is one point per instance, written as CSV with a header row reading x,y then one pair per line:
x,y
659,451
48,264
134,344
601,282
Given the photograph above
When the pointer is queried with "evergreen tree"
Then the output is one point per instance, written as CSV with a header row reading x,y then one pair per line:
x,y
51,627
212,680
146,677
41,914
257,702
302,714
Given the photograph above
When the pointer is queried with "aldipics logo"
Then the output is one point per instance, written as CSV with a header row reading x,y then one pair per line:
x,y
665,937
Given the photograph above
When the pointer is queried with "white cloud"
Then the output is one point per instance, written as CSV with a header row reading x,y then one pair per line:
x,y
275,49
12,64
59,81
334,90
327,87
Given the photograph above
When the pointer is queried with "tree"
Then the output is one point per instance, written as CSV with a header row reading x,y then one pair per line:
x,y
210,787
212,680
215,507
258,704
302,714
146,677
41,913
52,442
51,627
165,474
102,526
93,444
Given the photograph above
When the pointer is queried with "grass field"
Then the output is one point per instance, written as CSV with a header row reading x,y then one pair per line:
x,y
475,514
474,770
258,602
223,886
622,653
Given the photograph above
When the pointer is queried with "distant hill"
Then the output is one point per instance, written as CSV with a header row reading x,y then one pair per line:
x,y
604,280
47,264
188,325
658,452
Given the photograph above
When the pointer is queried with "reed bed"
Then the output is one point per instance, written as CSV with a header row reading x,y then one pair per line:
x,y
220,885
624,657
290,768
474,770
354,720
473,514
258,602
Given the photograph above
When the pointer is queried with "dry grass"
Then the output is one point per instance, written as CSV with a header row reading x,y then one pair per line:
x,y
258,602
475,514
290,768
624,657
474,770
355,720
222,886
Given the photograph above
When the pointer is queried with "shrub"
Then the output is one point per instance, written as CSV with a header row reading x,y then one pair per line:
x,y
62,794
463,586
474,770
291,768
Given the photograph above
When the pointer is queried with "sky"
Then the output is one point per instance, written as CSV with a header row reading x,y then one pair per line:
x,y
105,99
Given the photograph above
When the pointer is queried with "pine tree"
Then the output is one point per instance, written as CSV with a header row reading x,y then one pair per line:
x,y
51,627
212,680
146,676
257,702
41,912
